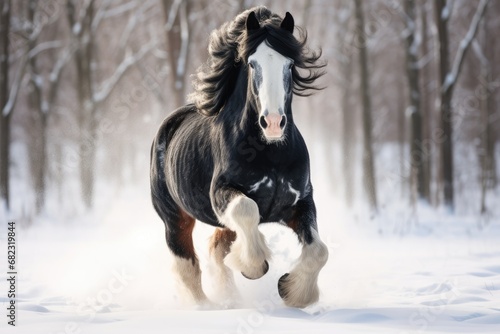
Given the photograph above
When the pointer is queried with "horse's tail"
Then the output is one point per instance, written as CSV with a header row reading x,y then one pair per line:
x,y
159,189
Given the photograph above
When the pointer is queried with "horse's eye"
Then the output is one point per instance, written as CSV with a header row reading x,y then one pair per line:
x,y
250,65
290,66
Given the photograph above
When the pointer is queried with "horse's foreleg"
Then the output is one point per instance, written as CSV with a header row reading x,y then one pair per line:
x,y
299,288
249,252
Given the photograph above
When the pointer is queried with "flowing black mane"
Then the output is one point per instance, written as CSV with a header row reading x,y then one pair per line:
x,y
231,45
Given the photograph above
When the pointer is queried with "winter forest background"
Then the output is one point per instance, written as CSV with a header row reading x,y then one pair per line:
x,y
404,156
408,119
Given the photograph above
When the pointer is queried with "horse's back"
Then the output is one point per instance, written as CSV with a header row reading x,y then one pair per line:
x,y
171,124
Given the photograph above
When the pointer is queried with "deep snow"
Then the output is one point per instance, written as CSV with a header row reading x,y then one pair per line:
x,y
108,272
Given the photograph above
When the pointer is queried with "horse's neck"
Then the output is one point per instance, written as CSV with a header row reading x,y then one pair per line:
x,y
239,112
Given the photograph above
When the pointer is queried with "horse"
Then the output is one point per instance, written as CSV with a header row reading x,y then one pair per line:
x,y
233,158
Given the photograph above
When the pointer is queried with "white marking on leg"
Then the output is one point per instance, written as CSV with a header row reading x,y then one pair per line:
x,y
189,277
295,192
301,286
249,251
223,277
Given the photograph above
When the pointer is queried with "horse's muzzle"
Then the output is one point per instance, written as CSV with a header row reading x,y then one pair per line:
x,y
273,125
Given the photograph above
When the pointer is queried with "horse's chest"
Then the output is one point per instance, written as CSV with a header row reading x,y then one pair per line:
x,y
275,194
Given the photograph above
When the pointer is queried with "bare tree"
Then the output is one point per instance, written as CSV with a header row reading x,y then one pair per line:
x,y
91,93
344,78
5,115
402,137
93,62
426,80
448,77
177,28
83,37
417,154
38,149
485,53
43,93
368,160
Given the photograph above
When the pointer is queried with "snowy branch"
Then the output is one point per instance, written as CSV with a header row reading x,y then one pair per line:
x,y
425,59
55,75
134,20
123,8
451,77
172,14
108,85
9,106
85,10
104,12
61,62
43,47
478,51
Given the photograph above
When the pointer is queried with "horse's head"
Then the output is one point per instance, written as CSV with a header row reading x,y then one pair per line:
x,y
262,45
271,81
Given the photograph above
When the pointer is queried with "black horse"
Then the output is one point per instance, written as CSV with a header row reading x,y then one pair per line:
x,y
234,158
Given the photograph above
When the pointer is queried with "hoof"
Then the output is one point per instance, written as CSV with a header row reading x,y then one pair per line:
x,y
281,286
297,293
265,269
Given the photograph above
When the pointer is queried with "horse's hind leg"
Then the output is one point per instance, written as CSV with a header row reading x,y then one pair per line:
x,y
178,224
178,232
220,246
186,266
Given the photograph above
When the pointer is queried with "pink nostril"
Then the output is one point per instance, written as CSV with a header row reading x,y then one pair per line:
x,y
273,125
272,120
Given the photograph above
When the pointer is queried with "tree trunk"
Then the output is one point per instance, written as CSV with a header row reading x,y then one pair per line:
x,y
448,78
487,110
87,162
417,153
492,107
345,64
306,13
401,119
348,135
445,110
39,148
425,105
86,106
484,151
368,163
176,14
5,11
41,170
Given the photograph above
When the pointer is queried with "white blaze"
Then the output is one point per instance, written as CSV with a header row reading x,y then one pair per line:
x,y
271,94
272,90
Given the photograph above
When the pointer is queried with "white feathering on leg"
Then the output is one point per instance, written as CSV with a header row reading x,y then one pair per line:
x,y
249,251
189,276
301,285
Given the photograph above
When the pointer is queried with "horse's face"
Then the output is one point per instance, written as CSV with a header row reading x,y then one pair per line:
x,y
271,85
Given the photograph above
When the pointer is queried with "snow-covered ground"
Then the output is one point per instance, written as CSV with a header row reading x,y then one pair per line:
x,y
404,270
108,272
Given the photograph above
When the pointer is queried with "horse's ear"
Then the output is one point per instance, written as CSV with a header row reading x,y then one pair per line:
x,y
288,23
252,22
